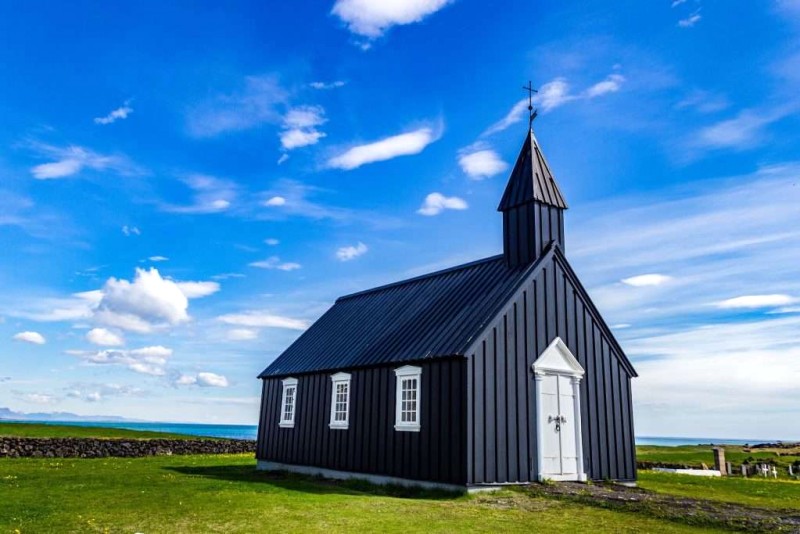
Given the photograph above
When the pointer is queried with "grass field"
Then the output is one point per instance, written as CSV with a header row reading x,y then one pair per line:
x,y
226,494
34,430
755,491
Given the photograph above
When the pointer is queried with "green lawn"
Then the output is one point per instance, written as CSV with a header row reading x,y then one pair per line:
x,y
34,430
759,492
226,494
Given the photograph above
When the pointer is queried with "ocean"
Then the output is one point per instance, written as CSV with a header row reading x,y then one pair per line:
x,y
249,432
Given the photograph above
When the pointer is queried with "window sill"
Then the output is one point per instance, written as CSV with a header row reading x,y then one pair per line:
x,y
407,428
286,425
339,426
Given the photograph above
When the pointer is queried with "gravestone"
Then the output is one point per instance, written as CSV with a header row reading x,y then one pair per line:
x,y
719,460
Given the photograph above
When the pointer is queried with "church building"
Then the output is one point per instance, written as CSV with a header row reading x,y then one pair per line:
x,y
498,371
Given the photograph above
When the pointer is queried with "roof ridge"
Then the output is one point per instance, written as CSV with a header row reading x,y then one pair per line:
x,y
420,277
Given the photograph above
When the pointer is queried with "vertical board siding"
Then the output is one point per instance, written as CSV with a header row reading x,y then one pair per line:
x,y
371,444
528,229
501,425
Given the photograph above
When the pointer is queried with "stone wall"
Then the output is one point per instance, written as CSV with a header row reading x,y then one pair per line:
x,y
127,448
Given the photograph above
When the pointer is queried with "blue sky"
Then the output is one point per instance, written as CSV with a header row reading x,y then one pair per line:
x,y
184,188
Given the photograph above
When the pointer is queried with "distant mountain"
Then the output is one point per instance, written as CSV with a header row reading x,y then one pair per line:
x,y
7,414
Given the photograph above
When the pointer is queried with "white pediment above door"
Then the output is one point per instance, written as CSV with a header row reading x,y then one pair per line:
x,y
557,358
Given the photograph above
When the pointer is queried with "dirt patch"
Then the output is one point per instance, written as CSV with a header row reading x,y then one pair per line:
x,y
681,509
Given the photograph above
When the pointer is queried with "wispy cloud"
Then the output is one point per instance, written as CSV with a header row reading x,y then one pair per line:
x,y
691,20
435,203
405,144
209,195
351,252
745,131
757,301
128,231
644,280
275,262
120,113
479,162
263,319
554,94
372,18
73,159
259,101
146,360
327,85
203,379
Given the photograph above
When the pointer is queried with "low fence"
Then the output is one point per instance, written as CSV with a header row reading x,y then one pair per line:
x,y
126,448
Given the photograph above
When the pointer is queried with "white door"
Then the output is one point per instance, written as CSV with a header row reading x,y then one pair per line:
x,y
558,427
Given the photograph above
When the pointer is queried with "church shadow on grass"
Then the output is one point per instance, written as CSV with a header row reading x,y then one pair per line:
x,y
247,474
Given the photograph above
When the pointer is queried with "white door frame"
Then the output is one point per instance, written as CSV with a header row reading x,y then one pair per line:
x,y
558,360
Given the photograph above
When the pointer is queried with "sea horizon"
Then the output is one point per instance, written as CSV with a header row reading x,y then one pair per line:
x,y
244,431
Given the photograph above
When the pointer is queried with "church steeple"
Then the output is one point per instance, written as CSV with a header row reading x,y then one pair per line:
x,y
532,205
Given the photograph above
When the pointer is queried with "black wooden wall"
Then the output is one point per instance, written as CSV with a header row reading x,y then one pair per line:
x,y
371,444
528,229
501,413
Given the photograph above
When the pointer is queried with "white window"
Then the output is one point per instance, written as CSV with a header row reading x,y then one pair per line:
x,y
340,401
288,402
409,379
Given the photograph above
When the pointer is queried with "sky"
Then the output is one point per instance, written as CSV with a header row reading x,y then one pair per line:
x,y
186,186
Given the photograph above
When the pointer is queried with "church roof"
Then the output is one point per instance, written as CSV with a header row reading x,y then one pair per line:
x,y
531,179
435,315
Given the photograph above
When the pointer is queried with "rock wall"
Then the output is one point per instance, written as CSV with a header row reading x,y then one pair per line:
x,y
126,448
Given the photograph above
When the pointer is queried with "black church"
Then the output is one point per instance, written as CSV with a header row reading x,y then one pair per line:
x,y
493,372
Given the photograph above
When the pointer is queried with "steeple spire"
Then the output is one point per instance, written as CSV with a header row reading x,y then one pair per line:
x,y
532,206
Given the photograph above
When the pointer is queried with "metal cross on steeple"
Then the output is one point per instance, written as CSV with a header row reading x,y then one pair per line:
x,y
531,112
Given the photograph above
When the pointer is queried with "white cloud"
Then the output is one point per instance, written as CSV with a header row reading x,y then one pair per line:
x,y
611,84
260,319
703,101
275,201
272,241
131,230
435,203
146,360
204,379
100,392
482,163
118,114
327,85
34,338
196,290
275,262
691,20
644,280
391,147
74,159
351,252
553,94
744,131
158,258
241,334
283,158
209,195
211,380
372,18
104,337
257,103
148,302
676,3
757,301
300,124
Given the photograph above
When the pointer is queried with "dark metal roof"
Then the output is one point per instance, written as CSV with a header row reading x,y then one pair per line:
x,y
531,179
429,316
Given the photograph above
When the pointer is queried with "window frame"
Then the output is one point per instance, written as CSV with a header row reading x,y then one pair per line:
x,y
407,372
288,384
337,380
